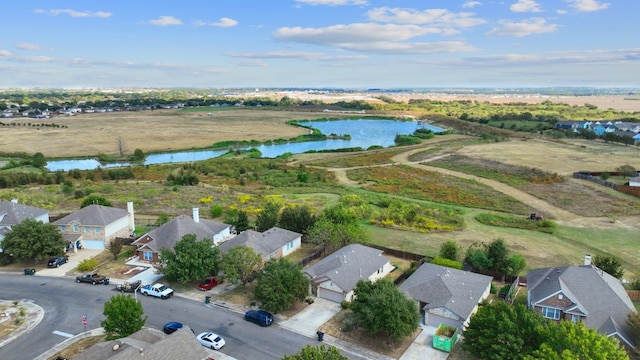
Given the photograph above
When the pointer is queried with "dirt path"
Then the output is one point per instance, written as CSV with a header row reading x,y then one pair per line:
x,y
561,216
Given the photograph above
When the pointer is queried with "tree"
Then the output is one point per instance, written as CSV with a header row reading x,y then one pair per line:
x,y
95,199
337,235
280,284
627,170
268,217
609,264
38,160
449,250
500,331
317,353
239,262
380,307
33,240
115,247
574,341
138,155
516,264
124,316
297,218
498,254
477,256
190,259
242,221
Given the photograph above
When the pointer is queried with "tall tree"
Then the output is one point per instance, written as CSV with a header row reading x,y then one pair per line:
x,y
498,254
610,264
33,240
297,218
95,199
317,353
573,341
38,160
280,284
190,259
499,331
380,307
124,315
239,263
337,235
242,221
268,217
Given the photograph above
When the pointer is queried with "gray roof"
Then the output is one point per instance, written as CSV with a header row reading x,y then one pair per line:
x,y
347,266
167,235
94,215
262,243
149,344
12,213
442,287
596,294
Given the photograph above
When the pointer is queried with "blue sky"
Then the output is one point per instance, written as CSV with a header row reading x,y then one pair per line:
x,y
354,44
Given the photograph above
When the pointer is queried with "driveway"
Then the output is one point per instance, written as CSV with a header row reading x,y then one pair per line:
x,y
422,348
308,321
74,259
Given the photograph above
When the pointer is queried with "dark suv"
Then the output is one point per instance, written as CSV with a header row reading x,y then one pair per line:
x,y
260,317
57,261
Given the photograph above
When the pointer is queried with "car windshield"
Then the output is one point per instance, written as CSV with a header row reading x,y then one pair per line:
x,y
162,288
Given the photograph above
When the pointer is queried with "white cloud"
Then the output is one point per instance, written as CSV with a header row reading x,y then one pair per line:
x,y
393,48
588,5
524,28
165,21
333,2
441,17
225,22
526,6
28,46
5,53
471,4
595,57
74,13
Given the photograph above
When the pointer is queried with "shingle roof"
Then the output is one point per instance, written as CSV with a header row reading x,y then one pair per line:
x,y
167,235
12,213
94,215
262,243
600,296
347,266
441,287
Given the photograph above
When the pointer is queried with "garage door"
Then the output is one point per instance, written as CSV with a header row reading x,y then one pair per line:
x,y
325,293
93,244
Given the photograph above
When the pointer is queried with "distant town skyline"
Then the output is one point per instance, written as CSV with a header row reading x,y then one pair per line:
x,y
353,44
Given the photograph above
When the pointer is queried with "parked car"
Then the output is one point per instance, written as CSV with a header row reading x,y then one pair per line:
x,y
56,262
171,327
209,283
260,317
92,279
211,340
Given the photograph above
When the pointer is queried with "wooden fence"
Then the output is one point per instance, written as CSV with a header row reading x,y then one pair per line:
x,y
634,295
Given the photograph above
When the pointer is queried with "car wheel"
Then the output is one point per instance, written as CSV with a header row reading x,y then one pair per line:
x,y
77,280
213,347
93,283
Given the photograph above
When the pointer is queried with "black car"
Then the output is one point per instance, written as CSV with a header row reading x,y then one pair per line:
x,y
56,262
260,317
171,327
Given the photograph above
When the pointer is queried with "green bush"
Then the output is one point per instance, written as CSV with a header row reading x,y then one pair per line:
x,y
88,265
344,304
494,288
446,262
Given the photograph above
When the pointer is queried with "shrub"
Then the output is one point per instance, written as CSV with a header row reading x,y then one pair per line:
x,y
216,210
447,263
88,265
344,304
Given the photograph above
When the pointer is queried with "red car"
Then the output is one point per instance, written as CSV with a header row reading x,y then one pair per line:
x,y
209,283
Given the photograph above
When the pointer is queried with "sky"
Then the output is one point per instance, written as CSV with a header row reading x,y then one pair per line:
x,y
352,44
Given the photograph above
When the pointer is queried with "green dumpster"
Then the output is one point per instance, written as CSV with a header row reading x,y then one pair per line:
x,y
106,281
32,272
207,299
27,271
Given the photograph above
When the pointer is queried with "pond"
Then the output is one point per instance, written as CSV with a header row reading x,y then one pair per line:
x,y
364,134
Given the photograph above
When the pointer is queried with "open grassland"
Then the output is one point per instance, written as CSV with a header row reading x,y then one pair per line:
x,y
149,131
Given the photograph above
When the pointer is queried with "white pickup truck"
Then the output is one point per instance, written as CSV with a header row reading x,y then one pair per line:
x,y
157,290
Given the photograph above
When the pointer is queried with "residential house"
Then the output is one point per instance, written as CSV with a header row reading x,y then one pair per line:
x,y
581,293
634,181
12,213
271,244
446,295
334,277
148,245
148,343
94,226
573,125
627,126
600,128
636,138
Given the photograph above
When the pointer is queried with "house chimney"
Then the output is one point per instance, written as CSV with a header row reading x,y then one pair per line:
x,y
132,222
587,260
196,214
14,200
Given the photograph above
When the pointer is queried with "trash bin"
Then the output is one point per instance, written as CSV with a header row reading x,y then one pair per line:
x,y
207,299
320,335
106,281
27,271
32,272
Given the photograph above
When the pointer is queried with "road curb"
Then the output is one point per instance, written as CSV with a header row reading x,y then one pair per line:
x,y
35,313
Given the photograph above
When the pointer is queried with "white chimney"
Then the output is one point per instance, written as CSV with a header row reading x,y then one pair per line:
x,y
14,200
587,260
196,214
132,222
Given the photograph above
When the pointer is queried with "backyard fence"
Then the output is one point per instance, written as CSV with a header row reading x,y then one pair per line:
x,y
589,176
634,295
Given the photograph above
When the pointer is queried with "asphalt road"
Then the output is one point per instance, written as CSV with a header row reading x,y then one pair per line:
x,y
65,302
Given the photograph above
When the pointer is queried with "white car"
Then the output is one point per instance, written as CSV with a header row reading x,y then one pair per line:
x,y
211,340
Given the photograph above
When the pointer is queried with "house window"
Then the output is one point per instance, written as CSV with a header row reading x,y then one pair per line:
x,y
63,228
86,229
97,230
147,255
551,313
290,245
576,318
76,228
